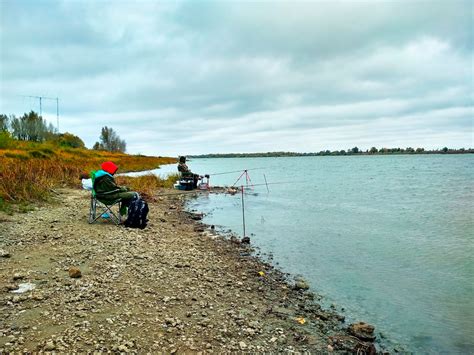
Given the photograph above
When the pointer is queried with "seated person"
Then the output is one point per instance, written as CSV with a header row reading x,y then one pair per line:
x,y
186,172
107,191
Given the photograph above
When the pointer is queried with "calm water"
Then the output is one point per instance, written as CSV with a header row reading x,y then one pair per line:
x,y
389,238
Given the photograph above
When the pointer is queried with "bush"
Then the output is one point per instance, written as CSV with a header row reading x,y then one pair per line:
x,y
47,151
6,141
16,156
70,140
37,154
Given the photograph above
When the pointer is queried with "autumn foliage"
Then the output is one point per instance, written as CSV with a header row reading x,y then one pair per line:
x,y
29,171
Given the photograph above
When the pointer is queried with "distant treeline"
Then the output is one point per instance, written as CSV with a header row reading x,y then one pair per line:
x,y
352,151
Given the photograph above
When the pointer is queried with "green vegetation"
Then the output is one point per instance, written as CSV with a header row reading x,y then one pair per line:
x,y
351,151
110,141
34,160
29,127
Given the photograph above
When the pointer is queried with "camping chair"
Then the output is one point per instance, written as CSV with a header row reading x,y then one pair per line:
x,y
104,210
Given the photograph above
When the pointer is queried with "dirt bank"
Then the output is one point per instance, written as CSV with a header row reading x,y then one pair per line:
x,y
170,287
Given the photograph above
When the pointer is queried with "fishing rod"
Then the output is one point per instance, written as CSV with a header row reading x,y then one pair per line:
x,y
236,171
280,183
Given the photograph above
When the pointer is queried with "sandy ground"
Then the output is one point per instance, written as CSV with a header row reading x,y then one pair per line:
x,y
172,287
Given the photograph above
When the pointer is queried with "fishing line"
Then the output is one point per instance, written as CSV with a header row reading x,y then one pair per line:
x,y
236,171
281,182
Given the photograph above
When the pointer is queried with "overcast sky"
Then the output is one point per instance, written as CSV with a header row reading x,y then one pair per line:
x,y
192,77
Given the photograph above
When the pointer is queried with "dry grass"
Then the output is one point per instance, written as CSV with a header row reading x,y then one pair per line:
x,y
30,171
147,185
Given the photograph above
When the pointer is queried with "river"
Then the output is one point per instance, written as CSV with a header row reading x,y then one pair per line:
x,y
388,238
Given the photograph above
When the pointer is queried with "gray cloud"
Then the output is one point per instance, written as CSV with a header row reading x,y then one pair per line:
x,y
208,76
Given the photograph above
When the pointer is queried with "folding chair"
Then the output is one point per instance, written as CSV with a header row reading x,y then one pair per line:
x,y
99,209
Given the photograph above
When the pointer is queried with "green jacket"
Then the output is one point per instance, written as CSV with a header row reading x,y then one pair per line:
x,y
105,187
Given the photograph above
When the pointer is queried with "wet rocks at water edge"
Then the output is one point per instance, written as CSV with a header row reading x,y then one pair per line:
x,y
363,331
245,240
359,340
301,284
351,344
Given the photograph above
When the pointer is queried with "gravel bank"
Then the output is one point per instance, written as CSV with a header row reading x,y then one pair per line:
x,y
172,287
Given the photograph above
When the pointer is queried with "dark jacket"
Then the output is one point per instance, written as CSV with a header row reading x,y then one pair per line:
x,y
183,168
105,187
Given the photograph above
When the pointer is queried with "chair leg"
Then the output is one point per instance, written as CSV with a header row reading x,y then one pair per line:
x,y
98,210
92,210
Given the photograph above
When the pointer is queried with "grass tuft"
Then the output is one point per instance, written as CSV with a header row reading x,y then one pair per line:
x,y
147,185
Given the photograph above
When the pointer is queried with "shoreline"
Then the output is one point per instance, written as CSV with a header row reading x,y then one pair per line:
x,y
172,287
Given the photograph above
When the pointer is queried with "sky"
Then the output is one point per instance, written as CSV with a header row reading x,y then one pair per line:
x,y
196,77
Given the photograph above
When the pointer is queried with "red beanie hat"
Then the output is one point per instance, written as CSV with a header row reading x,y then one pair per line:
x,y
109,167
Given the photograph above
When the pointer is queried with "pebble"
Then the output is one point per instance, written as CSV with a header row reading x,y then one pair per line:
x,y
301,285
4,253
245,240
362,331
49,346
75,272
123,348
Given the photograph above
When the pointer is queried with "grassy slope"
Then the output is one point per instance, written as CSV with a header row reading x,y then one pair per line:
x,y
29,171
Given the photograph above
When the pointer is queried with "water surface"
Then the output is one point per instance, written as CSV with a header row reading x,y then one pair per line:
x,y
389,238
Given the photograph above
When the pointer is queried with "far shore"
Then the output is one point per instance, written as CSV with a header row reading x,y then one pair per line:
x,y
341,153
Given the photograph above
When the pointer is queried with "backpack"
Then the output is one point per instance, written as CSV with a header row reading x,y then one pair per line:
x,y
137,212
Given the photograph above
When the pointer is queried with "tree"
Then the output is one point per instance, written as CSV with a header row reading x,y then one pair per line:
x,y
30,127
373,150
3,123
110,141
444,150
355,150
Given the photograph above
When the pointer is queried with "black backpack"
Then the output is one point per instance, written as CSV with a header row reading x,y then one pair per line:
x,y
137,212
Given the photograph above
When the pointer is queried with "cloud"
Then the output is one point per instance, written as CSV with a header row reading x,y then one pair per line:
x,y
208,76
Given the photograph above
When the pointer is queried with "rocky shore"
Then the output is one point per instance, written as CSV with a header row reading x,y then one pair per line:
x,y
67,286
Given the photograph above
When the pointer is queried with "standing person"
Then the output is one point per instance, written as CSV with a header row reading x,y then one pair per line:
x,y
108,191
186,172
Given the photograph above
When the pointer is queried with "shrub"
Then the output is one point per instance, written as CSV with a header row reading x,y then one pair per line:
x,y
70,140
47,151
16,156
37,154
6,141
